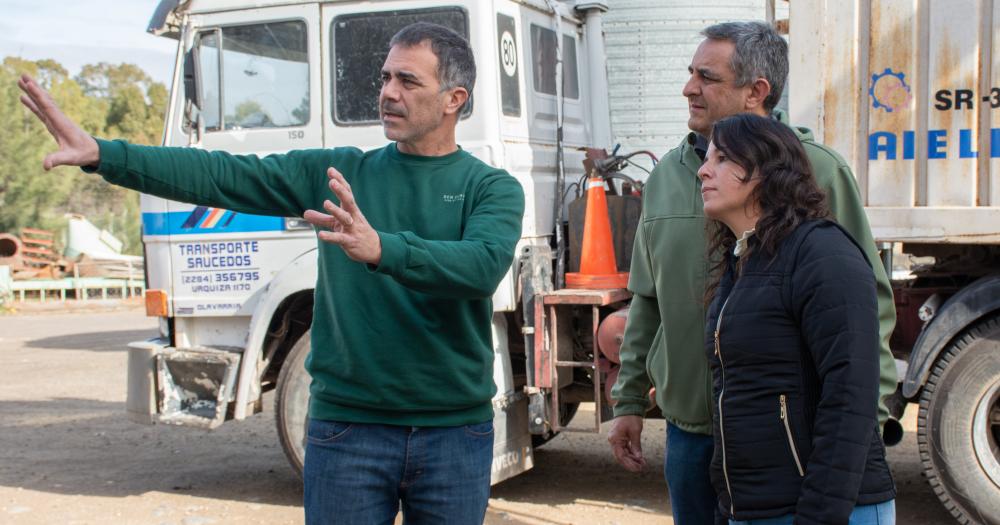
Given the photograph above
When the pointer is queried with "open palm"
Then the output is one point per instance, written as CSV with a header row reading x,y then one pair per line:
x,y
76,147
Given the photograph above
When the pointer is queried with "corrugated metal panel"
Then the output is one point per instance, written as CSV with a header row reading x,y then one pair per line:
x,y
908,91
649,44
894,25
844,99
954,64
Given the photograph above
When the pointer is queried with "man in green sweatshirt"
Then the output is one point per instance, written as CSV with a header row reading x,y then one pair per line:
x,y
416,236
739,67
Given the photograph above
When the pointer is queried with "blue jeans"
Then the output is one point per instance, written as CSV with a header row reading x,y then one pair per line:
x,y
364,473
877,514
693,500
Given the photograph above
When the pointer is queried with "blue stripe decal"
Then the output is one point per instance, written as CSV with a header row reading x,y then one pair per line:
x,y
180,223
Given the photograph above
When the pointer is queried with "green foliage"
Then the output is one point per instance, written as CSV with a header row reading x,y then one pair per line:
x,y
107,100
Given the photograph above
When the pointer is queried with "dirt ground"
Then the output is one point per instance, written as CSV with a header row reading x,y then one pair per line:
x,y
69,455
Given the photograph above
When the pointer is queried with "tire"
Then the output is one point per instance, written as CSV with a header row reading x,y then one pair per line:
x,y
958,428
291,403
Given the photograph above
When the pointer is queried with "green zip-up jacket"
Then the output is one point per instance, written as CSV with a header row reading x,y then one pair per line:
x,y
407,342
663,344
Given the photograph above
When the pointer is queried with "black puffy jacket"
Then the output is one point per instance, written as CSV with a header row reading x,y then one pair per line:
x,y
794,348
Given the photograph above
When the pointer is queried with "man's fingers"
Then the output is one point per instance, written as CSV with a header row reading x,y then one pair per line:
x,y
333,221
35,92
42,105
25,83
344,194
46,109
26,100
51,160
61,158
320,220
633,448
633,459
635,445
333,237
631,465
30,104
618,449
334,174
626,446
341,188
626,458
338,213
39,95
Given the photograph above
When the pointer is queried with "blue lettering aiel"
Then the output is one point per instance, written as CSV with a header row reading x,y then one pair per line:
x,y
883,141
965,150
909,144
937,143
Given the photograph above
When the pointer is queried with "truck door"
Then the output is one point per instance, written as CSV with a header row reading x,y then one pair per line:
x,y
530,110
258,79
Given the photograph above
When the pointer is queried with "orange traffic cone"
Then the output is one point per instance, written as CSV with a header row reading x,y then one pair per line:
x,y
597,261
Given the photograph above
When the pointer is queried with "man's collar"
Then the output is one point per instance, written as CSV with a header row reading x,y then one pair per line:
x,y
699,143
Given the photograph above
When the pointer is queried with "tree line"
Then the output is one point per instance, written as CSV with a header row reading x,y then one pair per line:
x,y
107,100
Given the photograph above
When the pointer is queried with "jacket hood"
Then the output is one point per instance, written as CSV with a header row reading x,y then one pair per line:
x,y
803,133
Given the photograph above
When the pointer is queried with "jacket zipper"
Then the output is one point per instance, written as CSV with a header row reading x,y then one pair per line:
x,y
788,432
722,392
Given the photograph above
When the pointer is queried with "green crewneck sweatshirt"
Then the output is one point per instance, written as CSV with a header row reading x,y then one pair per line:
x,y
407,342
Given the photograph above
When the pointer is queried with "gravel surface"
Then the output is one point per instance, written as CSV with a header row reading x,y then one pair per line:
x,y
69,455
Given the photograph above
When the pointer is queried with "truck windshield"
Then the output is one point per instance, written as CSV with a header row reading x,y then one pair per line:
x,y
260,79
361,43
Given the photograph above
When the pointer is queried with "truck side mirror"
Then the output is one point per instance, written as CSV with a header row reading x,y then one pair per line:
x,y
193,124
191,92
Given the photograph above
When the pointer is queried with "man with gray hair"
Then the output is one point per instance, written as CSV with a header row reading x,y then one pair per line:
x,y
401,412
739,67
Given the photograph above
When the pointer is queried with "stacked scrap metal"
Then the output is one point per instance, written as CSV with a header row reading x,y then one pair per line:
x,y
36,258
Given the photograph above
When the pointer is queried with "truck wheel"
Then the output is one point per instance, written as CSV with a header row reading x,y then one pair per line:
x,y
959,425
291,403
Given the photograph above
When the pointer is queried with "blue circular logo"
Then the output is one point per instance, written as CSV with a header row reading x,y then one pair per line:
x,y
889,91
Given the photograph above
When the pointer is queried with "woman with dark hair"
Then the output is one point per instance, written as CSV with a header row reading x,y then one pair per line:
x,y
792,337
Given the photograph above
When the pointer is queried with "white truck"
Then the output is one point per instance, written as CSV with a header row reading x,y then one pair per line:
x,y
904,92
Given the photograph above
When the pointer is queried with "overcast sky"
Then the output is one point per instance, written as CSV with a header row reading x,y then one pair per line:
x,y
78,32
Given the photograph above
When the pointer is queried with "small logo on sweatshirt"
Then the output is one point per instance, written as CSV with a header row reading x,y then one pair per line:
x,y
453,197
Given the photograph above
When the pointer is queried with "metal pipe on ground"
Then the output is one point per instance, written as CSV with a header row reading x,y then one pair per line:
x,y
10,251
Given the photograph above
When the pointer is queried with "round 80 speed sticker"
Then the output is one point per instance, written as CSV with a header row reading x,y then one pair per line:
x,y
508,53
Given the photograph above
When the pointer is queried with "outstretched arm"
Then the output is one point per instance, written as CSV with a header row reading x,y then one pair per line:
x,y
282,185
76,147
